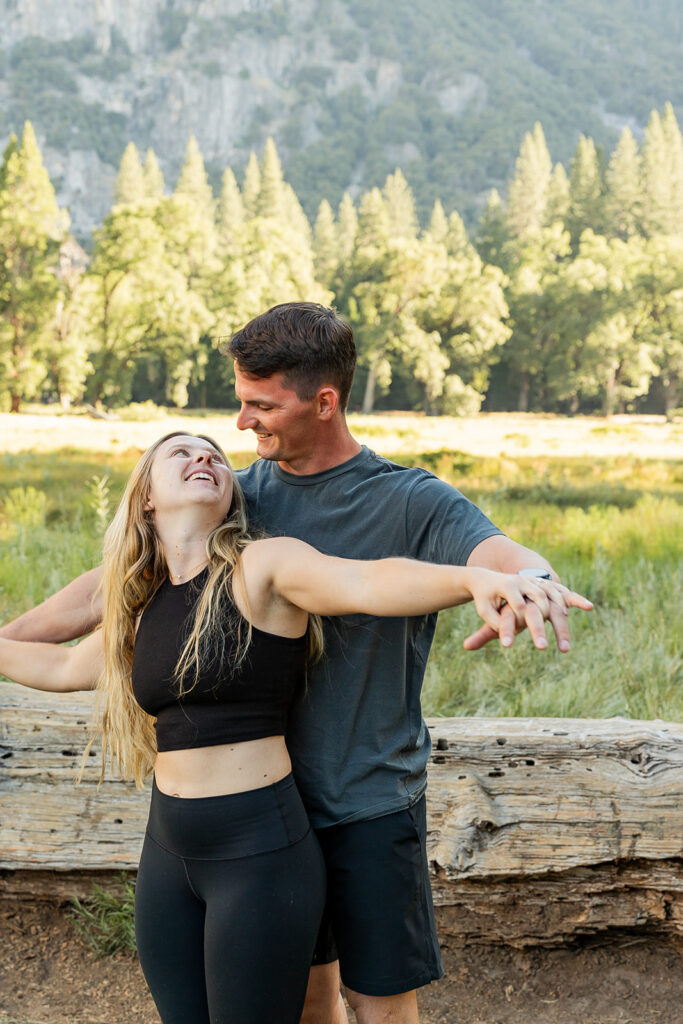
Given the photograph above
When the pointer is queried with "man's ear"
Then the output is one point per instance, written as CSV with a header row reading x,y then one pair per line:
x,y
327,400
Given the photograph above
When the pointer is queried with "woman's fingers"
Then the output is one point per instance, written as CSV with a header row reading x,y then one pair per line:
x,y
525,603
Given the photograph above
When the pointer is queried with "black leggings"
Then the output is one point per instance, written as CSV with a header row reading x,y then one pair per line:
x,y
228,901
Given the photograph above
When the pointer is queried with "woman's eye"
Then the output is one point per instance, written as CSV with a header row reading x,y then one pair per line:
x,y
180,451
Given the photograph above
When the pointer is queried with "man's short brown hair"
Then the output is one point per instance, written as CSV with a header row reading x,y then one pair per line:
x,y
306,342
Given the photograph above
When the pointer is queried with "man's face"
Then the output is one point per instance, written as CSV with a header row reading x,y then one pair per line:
x,y
284,424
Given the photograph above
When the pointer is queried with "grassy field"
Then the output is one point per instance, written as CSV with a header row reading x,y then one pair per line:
x,y
601,500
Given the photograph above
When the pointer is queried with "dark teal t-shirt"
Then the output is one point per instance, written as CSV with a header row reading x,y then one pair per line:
x,y
357,738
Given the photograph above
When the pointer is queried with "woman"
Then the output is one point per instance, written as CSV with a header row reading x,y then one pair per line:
x,y
205,638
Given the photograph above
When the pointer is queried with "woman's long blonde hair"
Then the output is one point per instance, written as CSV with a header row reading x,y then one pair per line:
x,y
134,567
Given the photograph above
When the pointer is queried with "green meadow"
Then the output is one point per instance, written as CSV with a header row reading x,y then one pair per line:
x,y
611,526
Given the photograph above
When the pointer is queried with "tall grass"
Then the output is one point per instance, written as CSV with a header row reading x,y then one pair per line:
x,y
611,528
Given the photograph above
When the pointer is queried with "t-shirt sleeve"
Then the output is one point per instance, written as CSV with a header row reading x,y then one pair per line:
x,y
442,525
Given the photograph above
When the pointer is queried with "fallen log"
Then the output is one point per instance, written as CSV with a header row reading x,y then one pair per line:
x,y
539,829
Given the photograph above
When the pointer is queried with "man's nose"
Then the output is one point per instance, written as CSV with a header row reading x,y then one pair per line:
x,y
245,418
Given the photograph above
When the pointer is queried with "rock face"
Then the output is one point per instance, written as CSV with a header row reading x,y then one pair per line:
x,y
346,88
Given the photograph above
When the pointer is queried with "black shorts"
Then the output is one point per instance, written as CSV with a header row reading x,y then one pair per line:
x,y
379,917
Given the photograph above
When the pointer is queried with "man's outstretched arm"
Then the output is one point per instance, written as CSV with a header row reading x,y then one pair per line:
x,y
72,612
505,555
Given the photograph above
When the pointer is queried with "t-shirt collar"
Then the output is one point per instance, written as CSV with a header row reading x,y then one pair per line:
x,y
308,479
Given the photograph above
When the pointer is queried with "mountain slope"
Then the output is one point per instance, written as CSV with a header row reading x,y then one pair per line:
x,y
349,90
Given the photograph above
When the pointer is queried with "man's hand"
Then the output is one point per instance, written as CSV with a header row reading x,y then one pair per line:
x,y
559,599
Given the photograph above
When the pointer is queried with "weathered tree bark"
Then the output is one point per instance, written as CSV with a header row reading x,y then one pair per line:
x,y
538,829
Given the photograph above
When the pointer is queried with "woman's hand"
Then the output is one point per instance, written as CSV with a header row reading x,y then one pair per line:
x,y
528,602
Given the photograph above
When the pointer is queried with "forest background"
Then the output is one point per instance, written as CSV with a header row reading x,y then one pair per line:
x,y
560,291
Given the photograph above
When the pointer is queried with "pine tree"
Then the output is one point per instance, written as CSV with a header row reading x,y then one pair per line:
x,y
493,234
374,223
294,220
400,206
623,196
325,244
528,192
230,209
32,228
154,179
251,186
585,191
270,197
557,207
193,181
130,181
656,188
347,226
457,242
438,223
674,145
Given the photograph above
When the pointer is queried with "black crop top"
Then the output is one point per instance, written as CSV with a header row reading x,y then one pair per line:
x,y
225,706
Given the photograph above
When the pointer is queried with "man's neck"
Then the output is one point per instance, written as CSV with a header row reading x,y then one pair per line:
x,y
329,452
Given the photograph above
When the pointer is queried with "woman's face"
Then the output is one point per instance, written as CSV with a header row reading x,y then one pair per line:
x,y
186,472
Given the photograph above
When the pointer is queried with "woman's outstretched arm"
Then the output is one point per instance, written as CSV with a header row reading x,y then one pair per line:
x,y
73,611
319,583
51,667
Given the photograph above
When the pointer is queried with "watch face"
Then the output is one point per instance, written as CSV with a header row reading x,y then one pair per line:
x,y
539,574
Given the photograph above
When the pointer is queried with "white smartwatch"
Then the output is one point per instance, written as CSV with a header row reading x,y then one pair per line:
x,y
539,574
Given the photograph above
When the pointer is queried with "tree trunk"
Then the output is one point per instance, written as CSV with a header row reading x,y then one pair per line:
x,y
16,402
610,394
523,401
671,387
369,396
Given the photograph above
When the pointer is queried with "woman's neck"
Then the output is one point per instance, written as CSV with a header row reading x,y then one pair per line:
x,y
184,545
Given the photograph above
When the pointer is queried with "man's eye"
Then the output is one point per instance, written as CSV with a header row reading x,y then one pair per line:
x,y
265,408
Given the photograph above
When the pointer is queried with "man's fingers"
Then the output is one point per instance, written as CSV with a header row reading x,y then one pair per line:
x,y
475,641
535,621
560,623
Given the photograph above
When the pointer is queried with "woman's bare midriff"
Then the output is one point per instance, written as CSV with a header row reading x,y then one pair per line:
x,y
224,769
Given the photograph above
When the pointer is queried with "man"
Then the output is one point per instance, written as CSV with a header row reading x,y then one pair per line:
x,y
357,739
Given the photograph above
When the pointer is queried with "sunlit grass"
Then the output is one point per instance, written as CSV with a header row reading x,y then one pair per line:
x,y
611,527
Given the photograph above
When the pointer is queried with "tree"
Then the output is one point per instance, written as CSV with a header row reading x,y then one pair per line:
x,y
230,211
438,223
527,201
251,187
623,196
400,206
32,229
193,182
325,245
535,307
139,306
585,191
347,227
270,201
130,180
661,328
493,234
67,354
674,146
656,179
602,352
557,207
154,179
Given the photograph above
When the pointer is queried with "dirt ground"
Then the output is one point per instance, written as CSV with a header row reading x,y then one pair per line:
x,y
47,976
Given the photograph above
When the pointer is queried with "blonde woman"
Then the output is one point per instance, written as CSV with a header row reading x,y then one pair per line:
x,y
204,641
